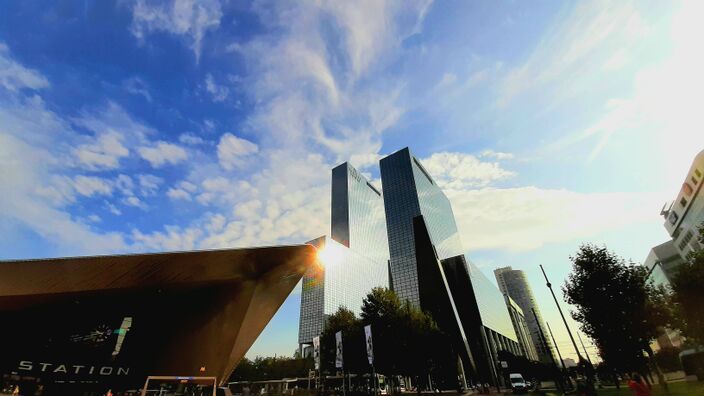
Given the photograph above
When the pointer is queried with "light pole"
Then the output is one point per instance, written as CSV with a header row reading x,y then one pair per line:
x,y
560,384
585,349
579,355
559,355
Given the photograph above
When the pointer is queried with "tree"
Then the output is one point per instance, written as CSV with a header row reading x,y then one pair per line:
x,y
354,351
688,294
616,306
407,341
267,368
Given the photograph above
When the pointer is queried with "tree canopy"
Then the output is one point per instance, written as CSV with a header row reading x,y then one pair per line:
x,y
615,305
407,341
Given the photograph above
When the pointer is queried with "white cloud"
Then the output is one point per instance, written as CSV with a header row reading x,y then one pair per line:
x,y
134,201
114,133
496,155
137,86
104,153
190,139
26,168
217,92
113,209
163,153
585,38
14,76
149,184
322,97
233,150
664,101
89,186
125,184
459,171
529,217
188,18
177,193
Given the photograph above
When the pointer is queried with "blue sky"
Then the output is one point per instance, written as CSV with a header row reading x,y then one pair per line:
x,y
136,126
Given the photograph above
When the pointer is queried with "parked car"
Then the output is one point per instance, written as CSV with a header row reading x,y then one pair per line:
x,y
518,384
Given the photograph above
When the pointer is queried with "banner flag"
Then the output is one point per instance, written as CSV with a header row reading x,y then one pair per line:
x,y
316,352
370,346
338,348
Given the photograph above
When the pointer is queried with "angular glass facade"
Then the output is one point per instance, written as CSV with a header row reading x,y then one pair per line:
x,y
357,216
355,256
492,306
413,198
409,191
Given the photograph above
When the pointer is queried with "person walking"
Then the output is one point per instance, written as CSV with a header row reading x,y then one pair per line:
x,y
638,386
16,392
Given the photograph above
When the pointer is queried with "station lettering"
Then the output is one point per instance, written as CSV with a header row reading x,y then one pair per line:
x,y
71,369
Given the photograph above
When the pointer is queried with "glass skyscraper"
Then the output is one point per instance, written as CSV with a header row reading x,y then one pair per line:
x,y
409,191
515,284
358,249
415,206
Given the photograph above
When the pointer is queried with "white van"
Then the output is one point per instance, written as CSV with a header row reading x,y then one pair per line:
x,y
518,384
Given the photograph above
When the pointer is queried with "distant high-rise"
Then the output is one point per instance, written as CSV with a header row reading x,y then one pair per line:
x,y
429,268
515,284
358,252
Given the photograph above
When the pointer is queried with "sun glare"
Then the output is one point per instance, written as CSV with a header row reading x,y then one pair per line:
x,y
329,255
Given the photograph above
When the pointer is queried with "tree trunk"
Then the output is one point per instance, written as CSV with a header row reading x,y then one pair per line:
x,y
661,377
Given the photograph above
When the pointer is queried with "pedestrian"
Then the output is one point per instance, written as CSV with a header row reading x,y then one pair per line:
x,y
638,386
109,392
16,392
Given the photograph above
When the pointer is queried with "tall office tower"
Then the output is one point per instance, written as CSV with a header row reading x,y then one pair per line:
x,y
429,269
515,284
355,255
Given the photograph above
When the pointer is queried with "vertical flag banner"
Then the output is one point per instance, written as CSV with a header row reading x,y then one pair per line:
x,y
338,349
370,346
316,352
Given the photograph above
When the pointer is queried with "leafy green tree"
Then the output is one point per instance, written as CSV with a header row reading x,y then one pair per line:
x,y
688,294
268,368
353,346
407,341
616,306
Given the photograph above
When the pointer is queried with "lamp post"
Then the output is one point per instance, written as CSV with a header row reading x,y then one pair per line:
x,y
584,348
579,355
559,355
543,339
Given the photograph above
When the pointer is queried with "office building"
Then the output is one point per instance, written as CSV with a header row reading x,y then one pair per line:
x,y
515,284
662,262
685,215
520,326
356,250
683,218
79,326
429,268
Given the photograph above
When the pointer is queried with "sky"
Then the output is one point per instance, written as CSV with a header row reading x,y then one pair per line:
x,y
142,126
